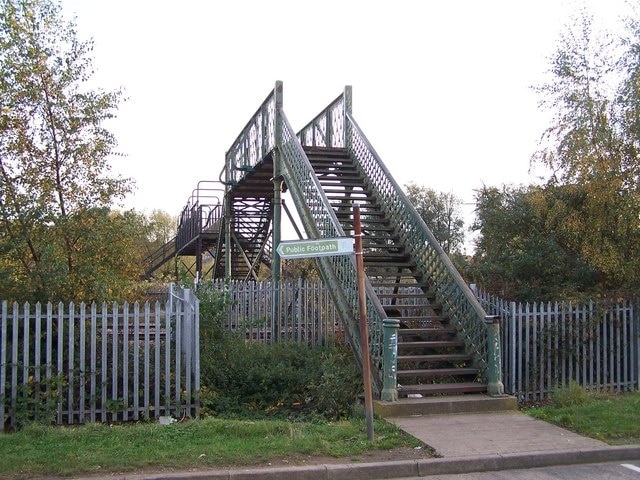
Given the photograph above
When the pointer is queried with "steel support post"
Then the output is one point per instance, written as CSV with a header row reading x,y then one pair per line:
x,y
227,235
494,368
390,360
276,265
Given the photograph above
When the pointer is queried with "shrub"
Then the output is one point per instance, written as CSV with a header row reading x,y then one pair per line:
x,y
285,379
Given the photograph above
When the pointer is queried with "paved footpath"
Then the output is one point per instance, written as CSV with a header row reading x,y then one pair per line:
x,y
473,434
466,443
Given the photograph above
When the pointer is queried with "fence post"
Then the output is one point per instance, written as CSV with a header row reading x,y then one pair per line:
x,y
389,363
494,373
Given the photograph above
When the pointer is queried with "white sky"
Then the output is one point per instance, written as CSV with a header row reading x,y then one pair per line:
x,y
440,88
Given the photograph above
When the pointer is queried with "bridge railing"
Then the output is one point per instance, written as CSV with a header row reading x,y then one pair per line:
x,y
202,214
159,257
254,142
328,128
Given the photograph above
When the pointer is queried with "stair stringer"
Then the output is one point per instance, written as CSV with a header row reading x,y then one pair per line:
x,y
338,272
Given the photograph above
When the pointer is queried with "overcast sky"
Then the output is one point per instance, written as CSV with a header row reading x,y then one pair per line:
x,y
441,89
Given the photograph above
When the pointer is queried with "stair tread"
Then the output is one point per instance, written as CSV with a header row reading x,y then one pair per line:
x,y
383,284
431,344
418,331
405,295
434,372
435,357
433,388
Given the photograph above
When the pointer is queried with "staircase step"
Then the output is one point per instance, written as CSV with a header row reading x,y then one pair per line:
x,y
405,295
347,203
451,357
442,388
438,405
391,263
380,246
332,198
431,344
327,153
436,372
426,331
364,215
420,318
417,317
384,284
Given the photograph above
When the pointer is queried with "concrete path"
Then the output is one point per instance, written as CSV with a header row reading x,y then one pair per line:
x,y
475,434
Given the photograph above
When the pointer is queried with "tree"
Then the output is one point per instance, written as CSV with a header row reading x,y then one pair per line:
x,y
521,253
592,148
441,212
161,228
54,150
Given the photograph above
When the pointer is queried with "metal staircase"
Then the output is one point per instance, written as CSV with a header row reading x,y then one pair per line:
x,y
427,332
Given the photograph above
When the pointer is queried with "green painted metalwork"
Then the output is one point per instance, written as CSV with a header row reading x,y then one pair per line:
x,y
276,265
256,141
390,362
328,129
495,386
459,303
334,127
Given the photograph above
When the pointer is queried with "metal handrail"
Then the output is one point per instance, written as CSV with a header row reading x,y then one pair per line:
x,y
327,128
254,142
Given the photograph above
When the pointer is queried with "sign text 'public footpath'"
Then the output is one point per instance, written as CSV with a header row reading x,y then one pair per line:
x,y
316,248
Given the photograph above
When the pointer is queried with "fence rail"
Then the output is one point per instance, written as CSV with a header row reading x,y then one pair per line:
x,y
70,364
548,345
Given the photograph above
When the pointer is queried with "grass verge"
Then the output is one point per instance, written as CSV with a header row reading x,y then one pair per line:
x,y
208,443
614,419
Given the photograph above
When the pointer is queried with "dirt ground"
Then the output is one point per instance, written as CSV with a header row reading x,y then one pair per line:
x,y
368,457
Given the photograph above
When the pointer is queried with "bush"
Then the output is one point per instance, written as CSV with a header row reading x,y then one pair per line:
x,y
284,379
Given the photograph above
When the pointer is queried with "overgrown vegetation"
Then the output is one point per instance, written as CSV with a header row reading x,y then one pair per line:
x,y
283,380
612,418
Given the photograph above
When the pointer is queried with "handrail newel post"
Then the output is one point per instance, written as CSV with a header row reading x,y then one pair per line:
x,y
390,360
228,221
494,365
347,105
276,267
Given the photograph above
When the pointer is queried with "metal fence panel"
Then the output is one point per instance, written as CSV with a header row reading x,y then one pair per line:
x,y
549,345
71,363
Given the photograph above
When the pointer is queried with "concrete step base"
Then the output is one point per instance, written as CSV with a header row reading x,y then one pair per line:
x,y
446,404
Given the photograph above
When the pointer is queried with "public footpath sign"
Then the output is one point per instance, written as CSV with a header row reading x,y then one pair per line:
x,y
316,248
